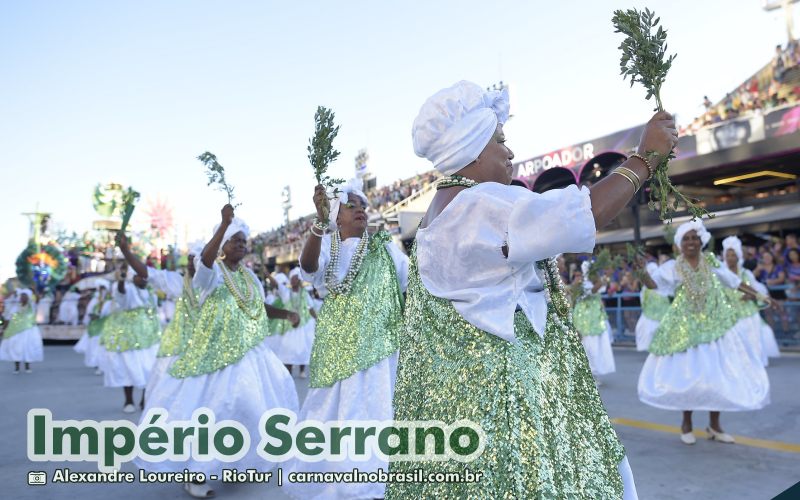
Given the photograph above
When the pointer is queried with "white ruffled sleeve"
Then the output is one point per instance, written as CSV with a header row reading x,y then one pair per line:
x,y
726,276
169,282
460,254
317,278
400,264
557,221
205,279
754,283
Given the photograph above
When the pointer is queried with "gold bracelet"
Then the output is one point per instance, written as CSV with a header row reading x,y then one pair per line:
x,y
647,164
625,176
634,174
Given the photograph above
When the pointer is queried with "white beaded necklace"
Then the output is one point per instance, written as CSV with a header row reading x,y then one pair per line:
x,y
344,286
241,300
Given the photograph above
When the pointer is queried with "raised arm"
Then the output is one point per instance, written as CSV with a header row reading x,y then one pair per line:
x,y
131,259
309,259
610,195
211,250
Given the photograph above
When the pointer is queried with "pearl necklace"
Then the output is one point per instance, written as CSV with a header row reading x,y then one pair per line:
x,y
695,281
455,180
344,286
243,301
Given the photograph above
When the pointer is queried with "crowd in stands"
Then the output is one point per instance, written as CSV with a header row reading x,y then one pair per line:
x,y
777,84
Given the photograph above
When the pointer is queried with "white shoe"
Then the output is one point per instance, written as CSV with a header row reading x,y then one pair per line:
x,y
722,437
303,375
688,438
15,372
129,408
98,371
28,370
199,490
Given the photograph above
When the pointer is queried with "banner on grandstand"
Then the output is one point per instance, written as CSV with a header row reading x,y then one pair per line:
x,y
730,133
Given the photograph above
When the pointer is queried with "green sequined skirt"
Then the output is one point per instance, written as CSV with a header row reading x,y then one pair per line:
x,y
589,316
548,434
132,329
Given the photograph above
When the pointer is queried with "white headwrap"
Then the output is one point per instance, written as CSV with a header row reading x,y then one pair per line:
x,y
25,291
585,265
735,244
236,225
282,279
353,186
99,282
196,247
456,123
295,272
692,225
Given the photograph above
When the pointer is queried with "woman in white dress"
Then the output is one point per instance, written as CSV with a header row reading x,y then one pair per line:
x,y
89,344
761,337
591,321
22,341
68,308
488,336
130,336
698,359
655,303
354,357
225,366
292,345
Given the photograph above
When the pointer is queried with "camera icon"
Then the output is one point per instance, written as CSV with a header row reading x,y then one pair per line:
x,y
37,478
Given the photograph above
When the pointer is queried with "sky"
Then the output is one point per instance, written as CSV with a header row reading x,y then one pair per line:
x,y
133,92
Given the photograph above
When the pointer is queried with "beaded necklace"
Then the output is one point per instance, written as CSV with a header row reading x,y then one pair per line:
x,y
242,300
455,180
695,281
344,286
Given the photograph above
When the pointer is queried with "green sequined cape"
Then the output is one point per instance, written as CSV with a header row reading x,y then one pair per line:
x,y
356,330
589,315
548,434
180,328
223,332
654,305
22,320
278,326
688,324
133,329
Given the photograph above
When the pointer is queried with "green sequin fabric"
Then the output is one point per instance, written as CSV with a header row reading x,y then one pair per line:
x,y
746,308
689,322
223,333
356,330
129,330
654,305
95,326
182,324
22,320
548,434
589,316
278,326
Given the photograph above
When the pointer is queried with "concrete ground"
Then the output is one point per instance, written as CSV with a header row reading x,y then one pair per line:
x,y
765,462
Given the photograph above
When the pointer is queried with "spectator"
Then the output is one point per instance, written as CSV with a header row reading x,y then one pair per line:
x,y
768,271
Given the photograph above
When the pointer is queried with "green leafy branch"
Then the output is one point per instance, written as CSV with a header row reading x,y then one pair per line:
x,y
603,261
216,175
644,60
129,199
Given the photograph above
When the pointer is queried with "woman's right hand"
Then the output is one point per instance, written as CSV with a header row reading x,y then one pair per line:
x,y
227,215
660,135
321,202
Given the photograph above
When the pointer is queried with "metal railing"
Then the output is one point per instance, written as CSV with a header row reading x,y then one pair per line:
x,y
625,312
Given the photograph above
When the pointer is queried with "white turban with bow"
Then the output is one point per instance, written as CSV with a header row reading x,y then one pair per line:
x,y
456,123
281,278
236,226
692,225
735,244
24,291
295,272
353,186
